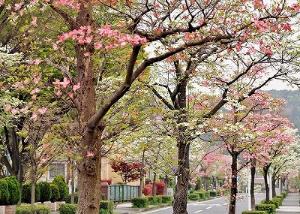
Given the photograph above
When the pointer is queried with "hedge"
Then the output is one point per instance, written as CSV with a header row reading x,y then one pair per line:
x,y
32,209
202,195
166,199
4,192
13,189
55,196
26,193
194,197
62,187
254,212
212,193
45,191
153,200
68,198
67,208
269,208
275,201
140,202
107,207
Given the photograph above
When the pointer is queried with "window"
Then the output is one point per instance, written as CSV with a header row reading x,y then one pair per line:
x,y
56,169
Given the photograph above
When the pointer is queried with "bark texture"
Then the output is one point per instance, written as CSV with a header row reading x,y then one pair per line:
x,y
233,189
253,172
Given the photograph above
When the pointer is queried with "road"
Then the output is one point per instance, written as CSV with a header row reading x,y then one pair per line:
x,y
214,206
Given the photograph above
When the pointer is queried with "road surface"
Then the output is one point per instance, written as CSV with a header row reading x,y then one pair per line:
x,y
214,206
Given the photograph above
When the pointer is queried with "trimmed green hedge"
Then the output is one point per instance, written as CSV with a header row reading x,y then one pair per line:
x,y
67,209
140,202
194,197
26,193
55,196
254,212
154,200
107,207
202,194
166,199
35,209
45,191
68,198
62,187
269,208
4,192
13,189
212,193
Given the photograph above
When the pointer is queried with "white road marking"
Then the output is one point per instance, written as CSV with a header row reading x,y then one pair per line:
x,y
208,208
199,211
225,204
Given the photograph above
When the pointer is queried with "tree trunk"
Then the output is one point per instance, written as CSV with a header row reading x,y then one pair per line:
x,y
183,170
233,188
89,186
273,186
265,171
72,182
154,186
32,200
180,196
253,171
142,175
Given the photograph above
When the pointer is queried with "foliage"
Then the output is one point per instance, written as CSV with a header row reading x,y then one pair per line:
x,y
45,191
212,193
154,200
32,209
160,187
67,209
55,195
166,199
140,202
128,171
147,189
107,206
68,198
14,189
4,192
194,197
62,186
269,208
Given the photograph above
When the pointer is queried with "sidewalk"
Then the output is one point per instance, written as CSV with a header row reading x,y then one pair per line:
x,y
126,208
290,204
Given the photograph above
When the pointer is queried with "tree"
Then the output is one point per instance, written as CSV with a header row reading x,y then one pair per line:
x,y
128,171
88,34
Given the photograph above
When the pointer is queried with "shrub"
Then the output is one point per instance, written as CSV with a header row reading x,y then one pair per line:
x,y
4,192
68,198
273,201
254,212
14,190
194,197
55,195
45,191
67,208
202,195
269,208
212,193
62,187
166,199
140,202
160,187
32,209
147,189
107,206
153,200
26,193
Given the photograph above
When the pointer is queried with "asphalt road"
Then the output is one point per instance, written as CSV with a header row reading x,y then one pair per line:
x,y
214,206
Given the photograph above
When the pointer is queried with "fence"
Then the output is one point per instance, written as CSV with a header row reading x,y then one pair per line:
x,y
122,192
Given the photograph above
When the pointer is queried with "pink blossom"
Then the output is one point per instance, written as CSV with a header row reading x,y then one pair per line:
x,y
76,87
34,21
18,6
90,154
34,117
35,91
42,110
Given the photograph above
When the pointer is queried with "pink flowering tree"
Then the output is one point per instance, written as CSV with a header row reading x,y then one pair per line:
x,y
90,30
